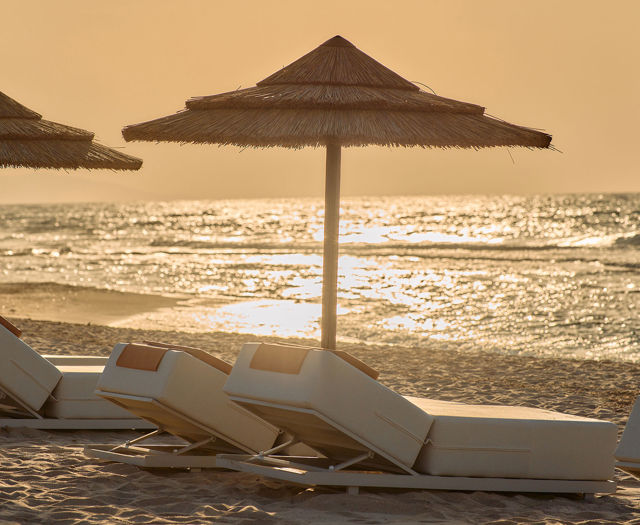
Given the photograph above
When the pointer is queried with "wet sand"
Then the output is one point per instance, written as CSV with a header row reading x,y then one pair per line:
x,y
75,304
45,478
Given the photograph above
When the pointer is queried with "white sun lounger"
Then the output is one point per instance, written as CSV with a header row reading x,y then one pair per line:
x,y
179,389
53,392
373,437
628,451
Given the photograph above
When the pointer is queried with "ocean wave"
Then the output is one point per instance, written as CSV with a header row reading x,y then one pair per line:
x,y
240,245
627,265
562,248
16,253
54,288
628,240
383,248
25,252
46,286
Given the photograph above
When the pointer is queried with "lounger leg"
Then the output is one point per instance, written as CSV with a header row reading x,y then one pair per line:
x,y
280,447
353,491
589,497
127,444
353,461
210,439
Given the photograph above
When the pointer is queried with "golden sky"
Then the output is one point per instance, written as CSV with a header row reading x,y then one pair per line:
x,y
569,67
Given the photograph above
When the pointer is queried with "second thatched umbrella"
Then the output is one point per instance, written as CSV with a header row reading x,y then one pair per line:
x,y
334,96
28,141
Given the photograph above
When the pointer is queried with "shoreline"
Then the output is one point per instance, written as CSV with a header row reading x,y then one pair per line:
x,y
50,301
284,318
46,476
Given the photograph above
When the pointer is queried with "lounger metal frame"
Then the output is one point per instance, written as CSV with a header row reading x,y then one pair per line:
x,y
165,456
154,456
324,472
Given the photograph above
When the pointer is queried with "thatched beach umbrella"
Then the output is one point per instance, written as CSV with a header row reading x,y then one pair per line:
x,y
28,141
334,96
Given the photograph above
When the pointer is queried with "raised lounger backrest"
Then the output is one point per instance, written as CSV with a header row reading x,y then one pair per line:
x,y
24,374
328,403
181,394
629,448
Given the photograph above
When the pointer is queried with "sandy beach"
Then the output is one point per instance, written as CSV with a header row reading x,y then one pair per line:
x,y
46,478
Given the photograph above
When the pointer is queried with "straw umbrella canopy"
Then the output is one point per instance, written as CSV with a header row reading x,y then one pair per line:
x,y
28,141
334,96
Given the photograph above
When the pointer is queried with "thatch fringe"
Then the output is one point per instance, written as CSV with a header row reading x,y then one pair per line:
x,y
298,128
335,94
63,154
28,141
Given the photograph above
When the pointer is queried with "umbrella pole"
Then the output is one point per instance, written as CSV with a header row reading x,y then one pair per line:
x,y
330,254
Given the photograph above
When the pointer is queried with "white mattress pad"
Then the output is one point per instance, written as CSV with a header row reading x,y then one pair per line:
x,y
74,397
76,360
516,442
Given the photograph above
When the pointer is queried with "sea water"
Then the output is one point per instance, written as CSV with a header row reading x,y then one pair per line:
x,y
555,275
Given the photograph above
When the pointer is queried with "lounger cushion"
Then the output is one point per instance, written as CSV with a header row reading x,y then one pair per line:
x,y
74,396
25,374
514,442
182,390
301,389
